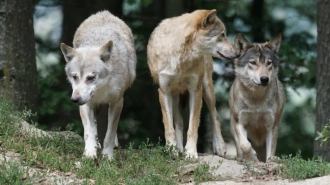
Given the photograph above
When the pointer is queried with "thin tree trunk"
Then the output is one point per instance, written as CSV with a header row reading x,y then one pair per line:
x,y
323,76
18,72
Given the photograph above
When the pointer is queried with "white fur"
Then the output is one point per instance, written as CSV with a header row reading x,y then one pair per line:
x,y
103,62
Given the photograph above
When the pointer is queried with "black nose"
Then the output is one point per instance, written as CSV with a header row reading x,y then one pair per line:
x,y
75,100
264,80
238,54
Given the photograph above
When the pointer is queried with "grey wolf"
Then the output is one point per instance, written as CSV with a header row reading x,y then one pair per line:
x,y
180,51
256,99
100,67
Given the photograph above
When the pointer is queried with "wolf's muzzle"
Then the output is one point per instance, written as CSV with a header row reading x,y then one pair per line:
x,y
75,99
264,80
228,58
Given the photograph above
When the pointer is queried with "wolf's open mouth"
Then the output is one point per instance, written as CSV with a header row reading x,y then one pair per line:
x,y
223,56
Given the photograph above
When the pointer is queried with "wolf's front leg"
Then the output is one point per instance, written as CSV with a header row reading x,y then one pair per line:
x,y
111,135
195,105
178,121
245,145
234,134
90,130
271,142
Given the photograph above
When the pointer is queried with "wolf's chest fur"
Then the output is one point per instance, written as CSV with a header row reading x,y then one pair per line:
x,y
257,120
257,108
181,75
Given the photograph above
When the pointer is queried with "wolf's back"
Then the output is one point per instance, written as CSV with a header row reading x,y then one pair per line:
x,y
101,27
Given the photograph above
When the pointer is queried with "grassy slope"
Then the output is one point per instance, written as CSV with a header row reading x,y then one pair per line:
x,y
149,164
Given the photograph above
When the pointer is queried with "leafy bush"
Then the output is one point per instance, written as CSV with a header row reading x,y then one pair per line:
x,y
324,136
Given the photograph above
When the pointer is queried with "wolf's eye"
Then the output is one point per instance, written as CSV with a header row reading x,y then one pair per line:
x,y
74,77
269,62
253,62
223,34
90,78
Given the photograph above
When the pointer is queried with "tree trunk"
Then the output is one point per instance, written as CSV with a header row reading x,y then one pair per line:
x,y
18,72
257,16
323,76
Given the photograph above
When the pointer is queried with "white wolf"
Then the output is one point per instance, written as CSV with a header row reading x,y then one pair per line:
x,y
100,67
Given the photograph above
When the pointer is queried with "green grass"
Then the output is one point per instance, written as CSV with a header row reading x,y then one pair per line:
x,y
148,164
12,174
297,168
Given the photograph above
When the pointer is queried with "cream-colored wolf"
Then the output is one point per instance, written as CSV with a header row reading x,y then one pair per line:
x,y
180,52
100,67
256,99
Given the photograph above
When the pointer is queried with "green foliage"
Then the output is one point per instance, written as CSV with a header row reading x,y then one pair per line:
x,y
202,173
12,174
324,136
7,113
297,168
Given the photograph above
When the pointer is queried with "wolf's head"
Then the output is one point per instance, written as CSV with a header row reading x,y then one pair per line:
x,y
258,63
209,34
86,70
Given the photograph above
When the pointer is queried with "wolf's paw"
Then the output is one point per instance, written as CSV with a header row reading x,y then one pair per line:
x,y
253,155
90,153
172,150
108,153
219,147
191,154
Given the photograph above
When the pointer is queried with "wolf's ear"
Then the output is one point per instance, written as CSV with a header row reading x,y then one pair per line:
x,y
68,52
209,18
241,42
106,51
275,44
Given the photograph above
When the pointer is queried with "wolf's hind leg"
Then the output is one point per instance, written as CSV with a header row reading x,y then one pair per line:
x,y
166,103
90,130
219,147
111,135
178,121
195,105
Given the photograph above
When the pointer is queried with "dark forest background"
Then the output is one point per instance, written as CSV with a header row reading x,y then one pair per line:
x,y
55,21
